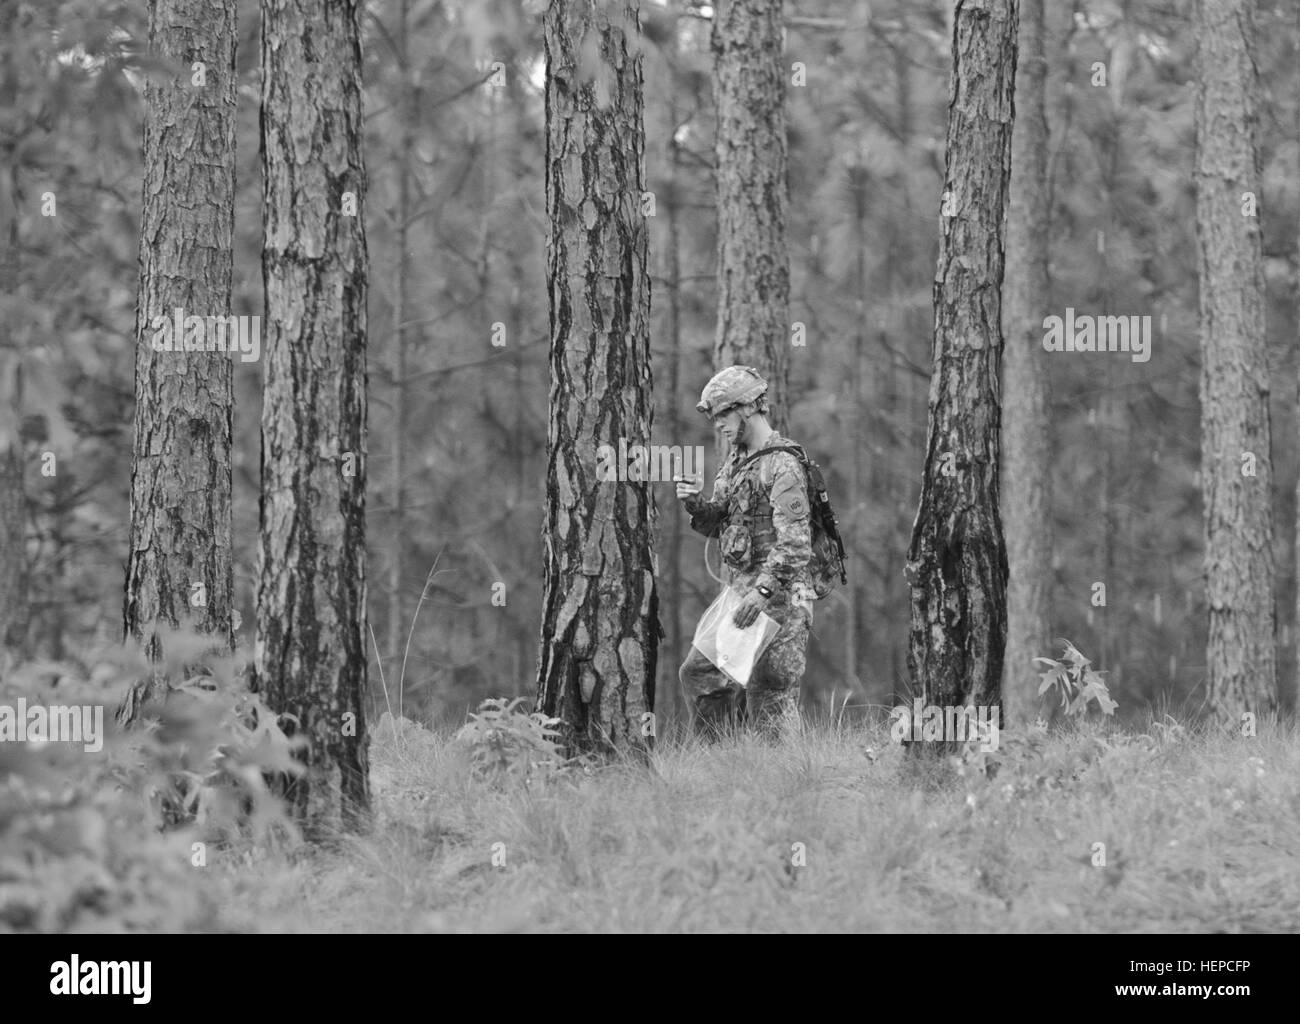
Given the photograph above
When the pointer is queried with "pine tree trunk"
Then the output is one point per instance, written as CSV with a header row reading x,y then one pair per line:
x,y
859,494
667,703
600,607
1110,424
179,563
1290,702
957,563
1026,454
15,607
1234,388
409,101
311,602
753,262
15,569
899,321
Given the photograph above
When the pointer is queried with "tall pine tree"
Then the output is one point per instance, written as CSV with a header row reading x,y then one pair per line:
x,y
310,657
600,606
179,565
753,326
1026,453
957,563
1236,444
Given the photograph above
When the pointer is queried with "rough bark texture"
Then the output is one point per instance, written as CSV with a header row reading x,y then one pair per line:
x,y
1026,455
15,607
1240,657
753,262
600,608
311,601
410,101
15,569
957,563
666,698
180,532
1290,701
855,422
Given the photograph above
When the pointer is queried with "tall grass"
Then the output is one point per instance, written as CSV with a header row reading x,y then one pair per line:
x,y
1201,832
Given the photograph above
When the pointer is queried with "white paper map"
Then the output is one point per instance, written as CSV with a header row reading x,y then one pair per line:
x,y
738,648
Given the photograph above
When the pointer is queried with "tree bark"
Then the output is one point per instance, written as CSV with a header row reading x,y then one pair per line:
x,y
311,601
667,703
858,500
180,529
1240,659
957,563
899,320
1111,420
1290,702
408,100
15,568
15,606
600,606
753,262
1026,448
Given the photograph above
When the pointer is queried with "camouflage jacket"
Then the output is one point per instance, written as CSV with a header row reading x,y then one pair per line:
x,y
760,514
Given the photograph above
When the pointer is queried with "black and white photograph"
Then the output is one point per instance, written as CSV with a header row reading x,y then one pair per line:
x,y
650,467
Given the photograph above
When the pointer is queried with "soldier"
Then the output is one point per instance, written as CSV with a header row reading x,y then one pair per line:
x,y
760,513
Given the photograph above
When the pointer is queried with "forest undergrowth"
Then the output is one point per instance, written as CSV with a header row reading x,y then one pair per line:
x,y
1092,826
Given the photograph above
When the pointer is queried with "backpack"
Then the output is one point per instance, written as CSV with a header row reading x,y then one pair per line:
x,y
828,556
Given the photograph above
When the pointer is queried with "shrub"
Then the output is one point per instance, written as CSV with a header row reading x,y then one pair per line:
x,y
1030,761
505,743
1077,682
113,839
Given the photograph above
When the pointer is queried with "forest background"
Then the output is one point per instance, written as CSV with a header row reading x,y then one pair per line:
x,y
458,371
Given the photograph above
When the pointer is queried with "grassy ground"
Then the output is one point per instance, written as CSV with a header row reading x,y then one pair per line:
x,y
1201,833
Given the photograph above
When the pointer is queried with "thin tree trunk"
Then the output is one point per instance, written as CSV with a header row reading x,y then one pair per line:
x,y
179,565
15,570
1240,658
957,562
1110,421
1026,447
753,261
857,502
668,700
523,436
311,602
410,106
907,388
600,607
15,609
1291,702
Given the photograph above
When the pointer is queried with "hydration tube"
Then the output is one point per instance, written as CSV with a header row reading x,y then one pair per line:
x,y
708,568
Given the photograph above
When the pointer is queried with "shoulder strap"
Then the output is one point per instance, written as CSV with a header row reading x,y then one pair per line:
x,y
794,450
832,527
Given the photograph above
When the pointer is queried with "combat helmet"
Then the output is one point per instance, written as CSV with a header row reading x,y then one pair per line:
x,y
730,387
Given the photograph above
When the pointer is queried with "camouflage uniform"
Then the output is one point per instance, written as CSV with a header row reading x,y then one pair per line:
x,y
760,514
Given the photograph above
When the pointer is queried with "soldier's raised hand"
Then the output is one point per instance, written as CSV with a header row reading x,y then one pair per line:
x,y
688,488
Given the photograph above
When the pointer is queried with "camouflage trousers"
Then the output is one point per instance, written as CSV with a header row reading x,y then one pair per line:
x,y
771,700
